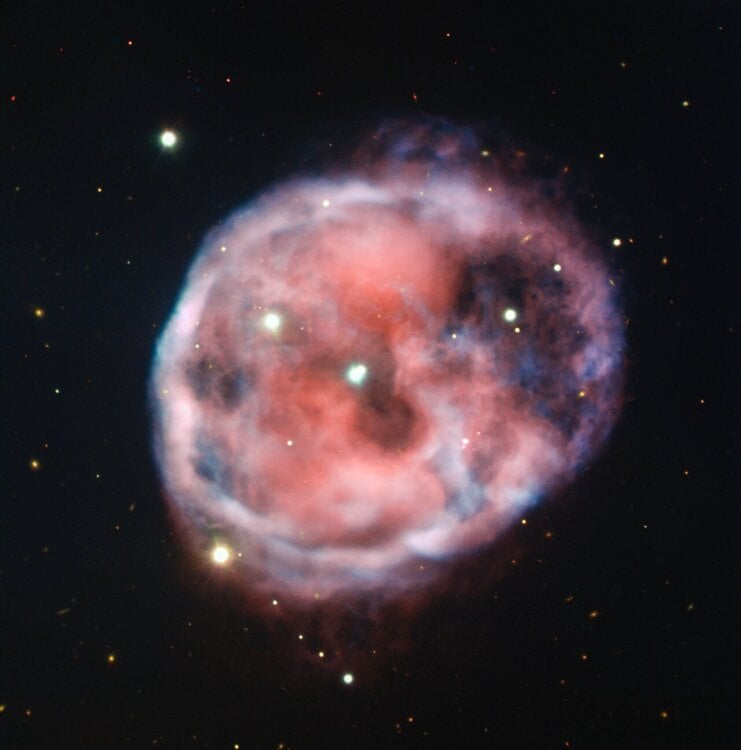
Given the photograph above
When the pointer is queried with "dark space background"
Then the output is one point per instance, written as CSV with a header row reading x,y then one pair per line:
x,y
616,625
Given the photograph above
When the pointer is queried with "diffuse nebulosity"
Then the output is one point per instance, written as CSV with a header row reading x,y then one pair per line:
x,y
372,368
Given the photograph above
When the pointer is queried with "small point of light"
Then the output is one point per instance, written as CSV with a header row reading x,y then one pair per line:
x,y
321,654
168,138
510,315
582,393
523,521
223,248
465,441
685,103
99,189
275,602
356,373
271,321
665,261
111,658
348,678
486,152
35,464
617,242
39,312
221,555
289,443
517,329
557,267
601,155
326,203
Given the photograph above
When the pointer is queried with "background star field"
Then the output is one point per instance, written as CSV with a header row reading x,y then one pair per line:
x,y
609,619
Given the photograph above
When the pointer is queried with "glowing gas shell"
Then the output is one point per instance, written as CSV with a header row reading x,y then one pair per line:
x,y
383,366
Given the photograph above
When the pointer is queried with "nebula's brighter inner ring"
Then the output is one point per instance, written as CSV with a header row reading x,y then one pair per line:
x,y
381,367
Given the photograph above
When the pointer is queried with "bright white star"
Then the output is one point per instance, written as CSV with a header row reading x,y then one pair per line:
x,y
221,554
168,138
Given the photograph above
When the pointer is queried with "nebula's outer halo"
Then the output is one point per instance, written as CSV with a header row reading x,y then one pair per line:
x,y
375,368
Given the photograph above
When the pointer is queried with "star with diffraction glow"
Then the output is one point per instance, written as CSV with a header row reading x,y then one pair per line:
x,y
272,321
168,138
221,554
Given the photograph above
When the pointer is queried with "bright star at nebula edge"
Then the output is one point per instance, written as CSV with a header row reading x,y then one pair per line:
x,y
341,393
220,555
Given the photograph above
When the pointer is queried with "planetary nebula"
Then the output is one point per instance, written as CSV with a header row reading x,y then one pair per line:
x,y
379,366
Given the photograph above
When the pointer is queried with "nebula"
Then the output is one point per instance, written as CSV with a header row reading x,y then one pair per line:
x,y
383,365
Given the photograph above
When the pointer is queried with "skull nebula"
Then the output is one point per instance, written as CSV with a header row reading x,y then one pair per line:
x,y
380,366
